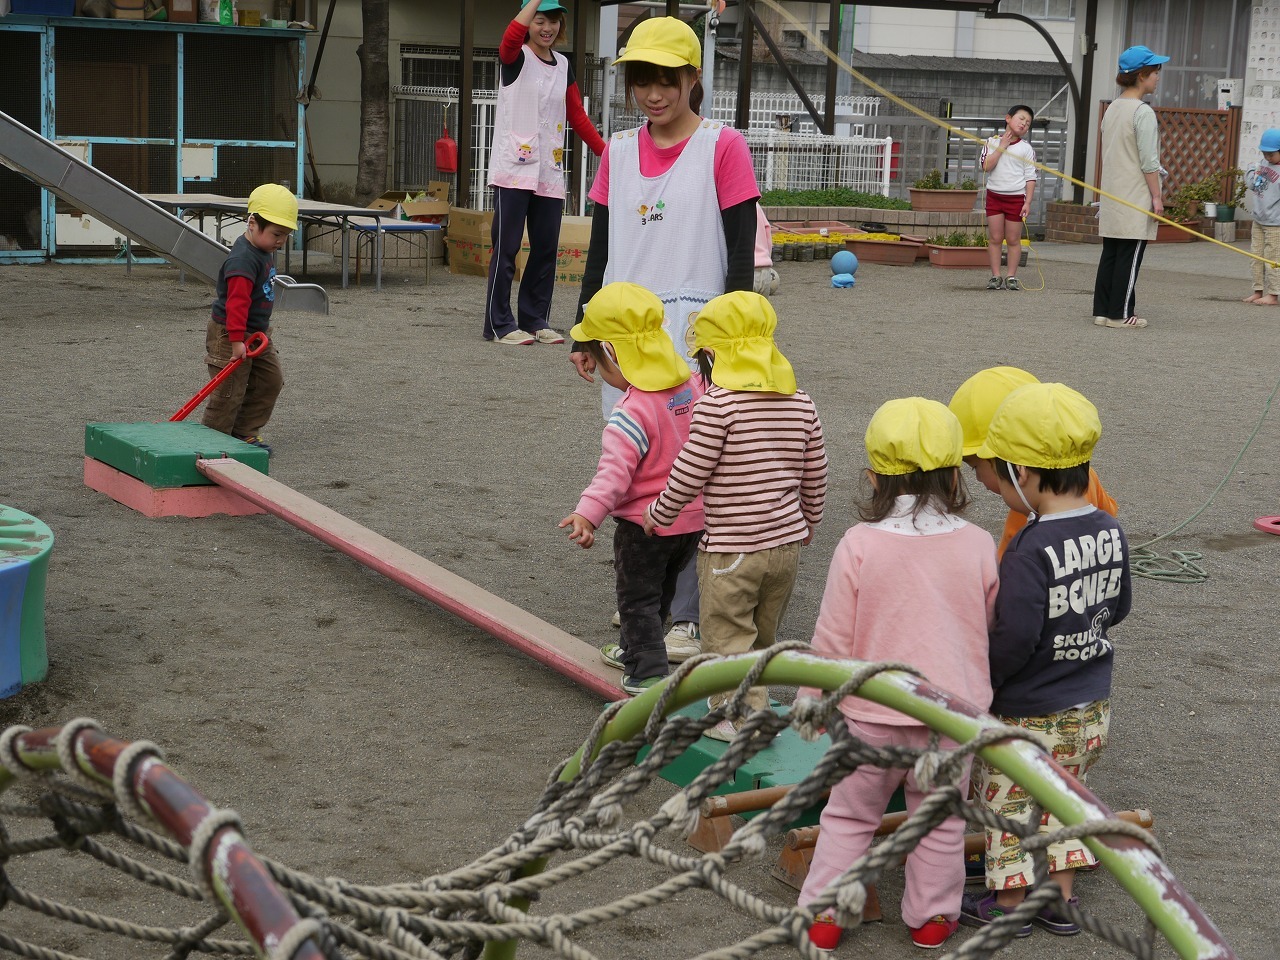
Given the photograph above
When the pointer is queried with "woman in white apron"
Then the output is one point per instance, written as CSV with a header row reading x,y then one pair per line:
x,y
675,211
526,171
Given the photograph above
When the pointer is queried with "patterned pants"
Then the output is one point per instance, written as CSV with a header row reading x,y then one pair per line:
x,y
1266,243
1075,738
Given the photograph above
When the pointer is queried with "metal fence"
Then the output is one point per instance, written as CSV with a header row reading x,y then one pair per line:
x,y
881,154
787,151
921,145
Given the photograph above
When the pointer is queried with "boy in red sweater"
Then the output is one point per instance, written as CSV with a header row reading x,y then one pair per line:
x,y
242,404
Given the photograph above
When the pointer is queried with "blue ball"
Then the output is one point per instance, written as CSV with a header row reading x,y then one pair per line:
x,y
844,262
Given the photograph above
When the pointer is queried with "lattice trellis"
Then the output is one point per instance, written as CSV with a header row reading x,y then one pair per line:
x,y
1194,144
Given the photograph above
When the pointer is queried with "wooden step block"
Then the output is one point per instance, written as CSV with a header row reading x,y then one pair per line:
x,y
164,455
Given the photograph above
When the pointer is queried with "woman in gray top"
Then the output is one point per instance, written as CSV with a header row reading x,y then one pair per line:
x,y
1130,171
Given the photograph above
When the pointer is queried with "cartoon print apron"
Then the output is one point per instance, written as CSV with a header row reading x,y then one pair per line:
x,y
666,233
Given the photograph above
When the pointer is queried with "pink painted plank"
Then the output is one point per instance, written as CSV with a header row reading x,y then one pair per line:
x,y
560,651
151,501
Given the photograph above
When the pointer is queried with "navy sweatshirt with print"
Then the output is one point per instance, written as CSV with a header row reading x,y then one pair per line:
x,y
1064,581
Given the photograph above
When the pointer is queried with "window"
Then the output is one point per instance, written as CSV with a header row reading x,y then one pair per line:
x,y
428,66
1204,45
1041,9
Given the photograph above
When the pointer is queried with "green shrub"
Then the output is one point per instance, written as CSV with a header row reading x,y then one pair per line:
x,y
835,197
933,181
959,238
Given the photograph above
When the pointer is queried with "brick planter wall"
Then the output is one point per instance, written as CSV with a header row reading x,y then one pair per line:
x,y
1070,223
1073,223
897,221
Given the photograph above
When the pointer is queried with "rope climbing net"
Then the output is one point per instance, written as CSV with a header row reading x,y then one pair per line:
x,y
121,805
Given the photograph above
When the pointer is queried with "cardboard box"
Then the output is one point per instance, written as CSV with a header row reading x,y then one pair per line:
x,y
404,205
471,257
469,238
182,11
474,225
575,231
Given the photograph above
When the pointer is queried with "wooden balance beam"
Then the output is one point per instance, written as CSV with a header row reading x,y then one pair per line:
x,y
562,652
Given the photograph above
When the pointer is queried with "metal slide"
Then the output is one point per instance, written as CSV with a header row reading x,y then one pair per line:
x,y
24,150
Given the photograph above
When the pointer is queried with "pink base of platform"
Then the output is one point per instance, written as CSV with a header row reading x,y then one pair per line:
x,y
166,501
1268,524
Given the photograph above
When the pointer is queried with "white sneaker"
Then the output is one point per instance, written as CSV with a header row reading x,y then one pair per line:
x,y
547,335
617,620
516,338
683,641
724,730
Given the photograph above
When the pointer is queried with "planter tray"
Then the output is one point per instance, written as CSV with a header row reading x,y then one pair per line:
x,y
813,226
958,258
1168,234
895,252
942,201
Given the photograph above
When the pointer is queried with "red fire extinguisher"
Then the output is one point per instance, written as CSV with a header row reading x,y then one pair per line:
x,y
447,153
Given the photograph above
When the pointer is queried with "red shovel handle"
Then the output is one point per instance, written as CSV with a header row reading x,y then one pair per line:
x,y
254,346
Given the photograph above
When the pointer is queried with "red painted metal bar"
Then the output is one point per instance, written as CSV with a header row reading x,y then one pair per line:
x,y
560,651
240,880
256,343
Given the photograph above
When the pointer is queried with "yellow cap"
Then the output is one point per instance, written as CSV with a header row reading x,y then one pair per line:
x,y
739,327
629,317
276,204
977,399
912,434
1048,426
666,41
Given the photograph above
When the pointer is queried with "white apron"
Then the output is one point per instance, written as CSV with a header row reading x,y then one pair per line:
x,y
666,233
528,130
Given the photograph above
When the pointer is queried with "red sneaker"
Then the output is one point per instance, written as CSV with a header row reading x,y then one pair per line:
x,y
825,935
933,934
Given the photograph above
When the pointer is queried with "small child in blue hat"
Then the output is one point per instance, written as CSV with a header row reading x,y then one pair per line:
x,y
1263,189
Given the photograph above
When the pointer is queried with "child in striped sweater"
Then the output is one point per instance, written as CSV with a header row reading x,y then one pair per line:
x,y
756,454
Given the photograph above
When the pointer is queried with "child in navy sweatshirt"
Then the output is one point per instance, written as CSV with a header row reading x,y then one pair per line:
x,y
1064,582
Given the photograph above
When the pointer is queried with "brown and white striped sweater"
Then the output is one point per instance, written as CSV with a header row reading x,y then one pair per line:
x,y
761,465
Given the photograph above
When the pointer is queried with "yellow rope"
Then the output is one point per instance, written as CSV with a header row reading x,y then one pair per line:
x,y
835,58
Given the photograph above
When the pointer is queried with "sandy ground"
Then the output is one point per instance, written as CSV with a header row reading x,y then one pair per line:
x,y
361,732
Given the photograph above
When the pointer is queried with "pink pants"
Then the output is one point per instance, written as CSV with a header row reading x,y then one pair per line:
x,y
935,868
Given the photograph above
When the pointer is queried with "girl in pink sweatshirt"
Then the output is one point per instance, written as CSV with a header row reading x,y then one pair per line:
x,y
622,327
916,584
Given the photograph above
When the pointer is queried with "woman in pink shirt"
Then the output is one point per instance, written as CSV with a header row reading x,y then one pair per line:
x,y
916,584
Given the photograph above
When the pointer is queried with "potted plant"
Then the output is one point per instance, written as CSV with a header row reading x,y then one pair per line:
x,y
930,194
1227,208
958,250
1183,206
883,248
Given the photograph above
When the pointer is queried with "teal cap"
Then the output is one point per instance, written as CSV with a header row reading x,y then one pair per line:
x,y
546,6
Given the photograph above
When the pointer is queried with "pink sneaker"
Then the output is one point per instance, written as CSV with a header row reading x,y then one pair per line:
x,y
932,934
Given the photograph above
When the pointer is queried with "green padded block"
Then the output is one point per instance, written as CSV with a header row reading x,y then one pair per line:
x,y
164,454
789,759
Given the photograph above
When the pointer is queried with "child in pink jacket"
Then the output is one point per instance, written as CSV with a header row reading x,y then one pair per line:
x,y
916,584
622,329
